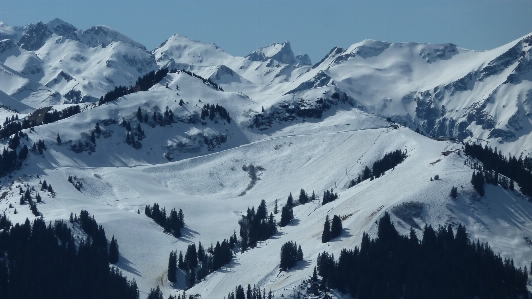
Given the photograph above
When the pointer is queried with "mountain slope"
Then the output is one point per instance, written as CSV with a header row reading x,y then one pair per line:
x,y
187,144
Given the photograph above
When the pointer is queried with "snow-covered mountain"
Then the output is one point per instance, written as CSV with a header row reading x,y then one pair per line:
x,y
80,65
301,126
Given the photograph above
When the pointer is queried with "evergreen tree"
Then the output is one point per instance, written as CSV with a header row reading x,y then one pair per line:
x,y
172,267
287,214
239,293
289,255
114,254
275,207
477,180
303,197
336,227
454,192
299,253
290,201
191,278
139,115
180,263
155,293
262,211
326,234
191,257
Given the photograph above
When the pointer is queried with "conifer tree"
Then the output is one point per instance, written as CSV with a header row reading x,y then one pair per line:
x,y
180,263
172,267
287,214
155,293
326,235
290,201
454,192
336,227
303,197
114,254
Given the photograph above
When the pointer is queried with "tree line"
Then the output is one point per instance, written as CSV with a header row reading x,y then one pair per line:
x,y
256,226
43,261
173,223
200,262
389,161
498,169
251,293
443,264
11,160
142,84
14,125
211,111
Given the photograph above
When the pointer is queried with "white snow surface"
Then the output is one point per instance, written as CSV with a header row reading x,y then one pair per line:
x,y
177,169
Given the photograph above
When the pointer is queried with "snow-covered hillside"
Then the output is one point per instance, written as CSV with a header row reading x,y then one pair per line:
x,y
301,126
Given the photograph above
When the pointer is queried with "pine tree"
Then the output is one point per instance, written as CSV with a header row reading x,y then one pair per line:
x,y
262,211
276,207
114,254
454,192
155,293
180,263
290,201
287,214
326,235
336,227
139,115
477,180
44,185
303,197
172,267
192,278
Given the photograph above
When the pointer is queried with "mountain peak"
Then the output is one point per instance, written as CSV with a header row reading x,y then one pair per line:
x,y
62,28
281,52
101,35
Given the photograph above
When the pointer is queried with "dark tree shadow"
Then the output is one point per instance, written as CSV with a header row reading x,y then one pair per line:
x,y
126,265
188,234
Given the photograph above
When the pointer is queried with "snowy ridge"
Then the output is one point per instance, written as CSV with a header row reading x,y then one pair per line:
x,y
308,127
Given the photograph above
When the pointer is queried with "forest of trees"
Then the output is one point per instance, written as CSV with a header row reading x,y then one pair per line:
x,y
54,115
256,226
146,82
43,261
199,262
143,83
173,223
497,169
13,125
251,293
211,111
389,161
291,253
443,264
11,160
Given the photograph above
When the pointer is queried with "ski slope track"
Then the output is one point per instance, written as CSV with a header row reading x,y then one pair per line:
x,y
308,126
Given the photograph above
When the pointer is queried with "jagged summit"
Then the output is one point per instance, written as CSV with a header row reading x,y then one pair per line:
x,y
281,52
32,37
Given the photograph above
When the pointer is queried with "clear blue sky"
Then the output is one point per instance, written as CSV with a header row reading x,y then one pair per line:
x,y
311,26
